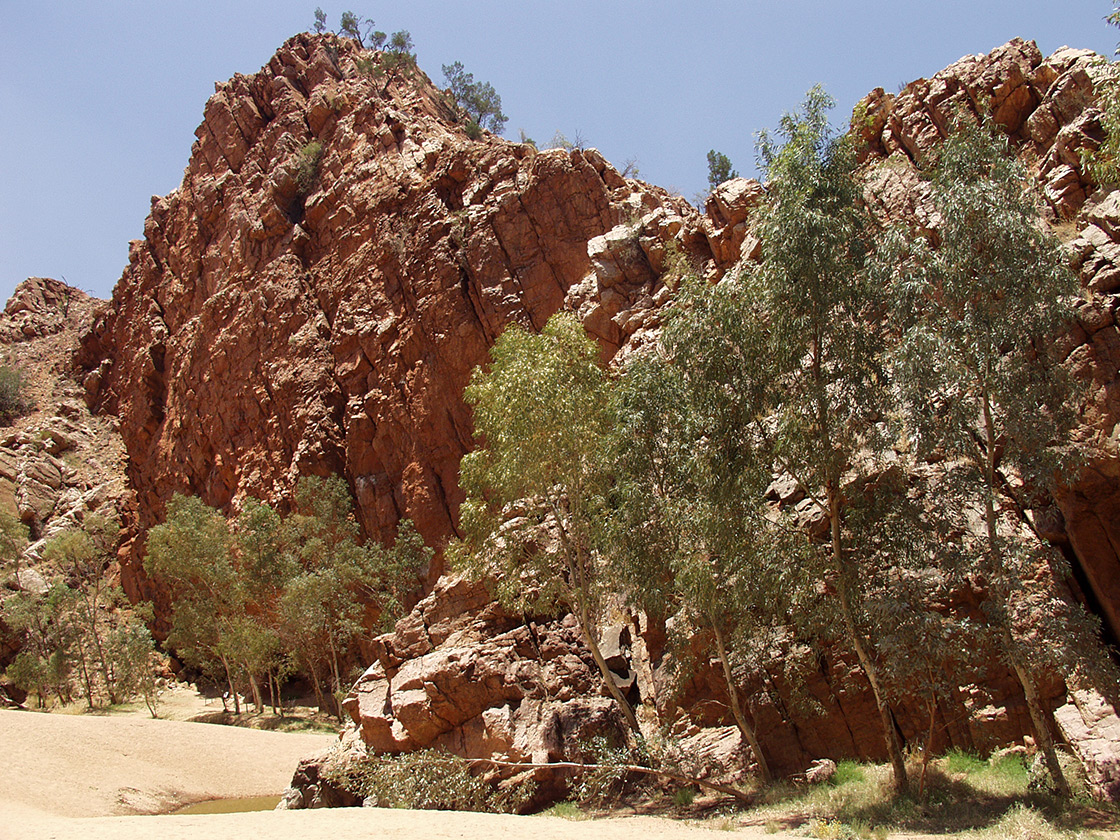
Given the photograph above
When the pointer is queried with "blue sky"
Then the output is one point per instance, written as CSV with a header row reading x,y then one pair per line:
x,y
101,99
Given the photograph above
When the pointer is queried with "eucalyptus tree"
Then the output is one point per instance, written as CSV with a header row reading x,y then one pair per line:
x,y
536,485
191,553
334,579
479,100
50,639
266,568
820,376
688,535
980,383
719,169
13,541
84,553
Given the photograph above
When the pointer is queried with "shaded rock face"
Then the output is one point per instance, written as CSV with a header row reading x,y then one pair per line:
x,y
264,330
310,787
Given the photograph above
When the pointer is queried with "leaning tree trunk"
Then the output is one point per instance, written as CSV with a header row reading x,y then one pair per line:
x,y
580,585
890,734
1018,666
605,671
737,709
229,684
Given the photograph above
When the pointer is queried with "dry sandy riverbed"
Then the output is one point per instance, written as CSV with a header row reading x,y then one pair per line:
x,y
66,776
115,778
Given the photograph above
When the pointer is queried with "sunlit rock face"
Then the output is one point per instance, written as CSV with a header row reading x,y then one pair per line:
x,y
340,256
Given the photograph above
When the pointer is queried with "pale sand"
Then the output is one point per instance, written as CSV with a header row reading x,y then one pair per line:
x,y
81,776
93,778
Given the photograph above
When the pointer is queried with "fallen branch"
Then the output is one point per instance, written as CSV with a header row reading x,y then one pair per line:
x,y
632,768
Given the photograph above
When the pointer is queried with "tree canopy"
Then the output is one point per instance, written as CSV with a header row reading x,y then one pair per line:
x,y
478,100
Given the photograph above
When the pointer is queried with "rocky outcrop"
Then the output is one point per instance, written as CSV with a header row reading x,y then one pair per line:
x,y
340,256
1090,725
1046,105
461,674
58,463
268,327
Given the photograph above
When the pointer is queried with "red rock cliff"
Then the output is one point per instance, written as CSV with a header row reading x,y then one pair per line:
x,y
340,256
266,329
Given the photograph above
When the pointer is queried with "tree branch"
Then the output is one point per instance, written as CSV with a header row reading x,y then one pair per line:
x,y
630,768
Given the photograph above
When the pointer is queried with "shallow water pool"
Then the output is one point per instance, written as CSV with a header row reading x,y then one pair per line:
x,y
231,806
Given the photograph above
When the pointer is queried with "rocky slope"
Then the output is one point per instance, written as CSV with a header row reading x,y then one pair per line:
x,y
58,462
339,257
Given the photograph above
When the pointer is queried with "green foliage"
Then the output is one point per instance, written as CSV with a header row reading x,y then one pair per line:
x,y
689,536
83,554
14,401
565,811
398,57
847,773
13,541
719,169
351,26
473,130
976,375
541,414
190,552
132,651
602,784
535,487
78,636
821,369
479,100
959,761
45,664
258,597
819,379
976,309
431,780
1103,163
683,797
366,66
320,21
307,162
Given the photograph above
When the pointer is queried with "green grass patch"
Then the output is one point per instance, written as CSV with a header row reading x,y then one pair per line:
x,y
965,796
848,773
958,761
565,811
683,797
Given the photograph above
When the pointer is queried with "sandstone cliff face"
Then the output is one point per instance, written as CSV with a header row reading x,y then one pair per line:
x,y
262,331
1048,108
272,324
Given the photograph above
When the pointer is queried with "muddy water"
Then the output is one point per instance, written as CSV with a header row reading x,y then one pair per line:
x,y
231,806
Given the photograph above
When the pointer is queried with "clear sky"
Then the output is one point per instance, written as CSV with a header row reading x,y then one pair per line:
x,y
101,97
